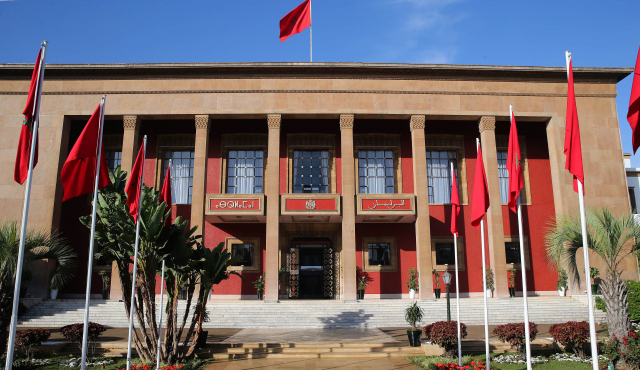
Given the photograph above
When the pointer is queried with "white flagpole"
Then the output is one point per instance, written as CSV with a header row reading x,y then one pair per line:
x,y
310,32
523,269
587,267
161,310
455,256
87,299
135,254
25,211
484,285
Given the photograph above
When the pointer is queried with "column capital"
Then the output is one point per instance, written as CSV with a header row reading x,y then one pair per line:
x,y
346,121
203,122
487,123
274,120
131,122
417,122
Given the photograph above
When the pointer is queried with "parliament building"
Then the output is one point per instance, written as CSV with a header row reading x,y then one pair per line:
x,y
316,173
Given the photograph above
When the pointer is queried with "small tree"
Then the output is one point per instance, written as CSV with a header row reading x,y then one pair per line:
x,y
572,335
562,279
514,334
489,280
512,278
259,284
445,335
413,314
73,333
436,276
412,284
27,340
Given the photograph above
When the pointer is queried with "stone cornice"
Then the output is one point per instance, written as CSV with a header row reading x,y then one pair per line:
x,y
311,70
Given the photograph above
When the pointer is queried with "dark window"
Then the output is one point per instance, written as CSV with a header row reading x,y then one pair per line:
x,y
244,252
379,254
632,197
375,171
311,171
114,159
503,177
512,251
444,254
439,175
181,174
245,172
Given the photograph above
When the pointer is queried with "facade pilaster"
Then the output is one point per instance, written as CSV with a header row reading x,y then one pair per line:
x,y
130,142
272,195
348,209
131,126
201,150
495,227
421,189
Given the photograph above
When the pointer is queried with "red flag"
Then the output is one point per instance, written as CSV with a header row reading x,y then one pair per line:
x,y
295,21
514,165
634,106
480,202
79,170
134,186
26,133
572,146
165,194
455,204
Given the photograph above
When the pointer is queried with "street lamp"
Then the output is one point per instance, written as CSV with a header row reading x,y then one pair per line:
x,y
447,280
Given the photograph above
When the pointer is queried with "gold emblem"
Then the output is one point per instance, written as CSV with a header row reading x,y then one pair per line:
x,y
311,204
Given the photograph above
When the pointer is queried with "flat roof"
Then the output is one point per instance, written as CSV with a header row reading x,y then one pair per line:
x,y
15,71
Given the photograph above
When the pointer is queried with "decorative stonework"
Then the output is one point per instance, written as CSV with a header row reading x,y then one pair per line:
x,y
244,140
274,120
177,141
487,123
203,122
132,122
417,122
376,141
444,141
311,140
346,121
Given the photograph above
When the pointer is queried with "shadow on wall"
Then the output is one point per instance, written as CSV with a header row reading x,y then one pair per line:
x,y
347,319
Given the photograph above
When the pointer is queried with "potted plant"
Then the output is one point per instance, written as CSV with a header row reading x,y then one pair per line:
x,y
412,284
54,289
362,284
594,274
490,283
512,282
282,280
259,284
105,284
412,315
437,290
562,282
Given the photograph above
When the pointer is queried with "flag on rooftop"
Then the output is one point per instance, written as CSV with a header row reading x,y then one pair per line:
x,y
296,20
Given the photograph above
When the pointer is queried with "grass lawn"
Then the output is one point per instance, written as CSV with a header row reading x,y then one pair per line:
x,y
427,362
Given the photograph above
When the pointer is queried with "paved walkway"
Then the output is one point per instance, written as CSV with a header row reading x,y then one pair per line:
x,y
342,363
337,335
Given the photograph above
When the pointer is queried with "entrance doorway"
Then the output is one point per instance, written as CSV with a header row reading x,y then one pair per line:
x,y
311,269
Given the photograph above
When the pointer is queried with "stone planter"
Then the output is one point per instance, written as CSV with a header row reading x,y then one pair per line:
x,y
360,293
414,337
562,292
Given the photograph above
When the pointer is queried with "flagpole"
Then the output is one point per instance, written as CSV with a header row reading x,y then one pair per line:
x,y
135,254
587,267
310,33
161,310
484,285
25,212
527,333
455,256
87,299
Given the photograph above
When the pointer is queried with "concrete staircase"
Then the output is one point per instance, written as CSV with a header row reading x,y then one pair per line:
x,y
321,313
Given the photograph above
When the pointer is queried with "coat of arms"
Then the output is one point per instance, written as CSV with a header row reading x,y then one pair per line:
x,y
311,204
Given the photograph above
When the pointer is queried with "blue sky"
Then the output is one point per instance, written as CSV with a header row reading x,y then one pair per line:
x,y
528,33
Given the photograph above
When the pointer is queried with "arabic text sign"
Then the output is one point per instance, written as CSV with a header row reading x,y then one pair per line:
x,y
234,204
386,204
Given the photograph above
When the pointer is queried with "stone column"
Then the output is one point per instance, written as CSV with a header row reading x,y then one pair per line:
x,y
200,172
272,196
130,142
421,190
495,227
348,261
130,148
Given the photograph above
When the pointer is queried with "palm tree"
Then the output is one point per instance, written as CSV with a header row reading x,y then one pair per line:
x,y
612,239
39,245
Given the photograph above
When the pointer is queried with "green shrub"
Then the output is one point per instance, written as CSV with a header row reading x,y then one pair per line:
x,y
600,305
633,299
445,335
